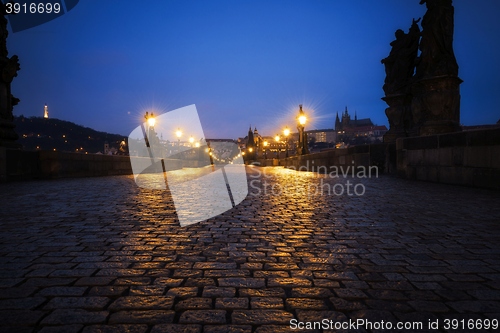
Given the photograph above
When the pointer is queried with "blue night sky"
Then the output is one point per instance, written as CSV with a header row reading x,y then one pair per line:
x,y
105,63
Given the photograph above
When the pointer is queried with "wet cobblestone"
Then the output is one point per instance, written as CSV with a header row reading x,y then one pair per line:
x,y
102,255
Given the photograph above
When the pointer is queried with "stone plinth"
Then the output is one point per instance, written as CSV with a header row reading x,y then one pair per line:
x,y
399,116
435,105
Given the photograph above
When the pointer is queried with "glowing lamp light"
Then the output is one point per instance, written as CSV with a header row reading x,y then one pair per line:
x,y
277,138
243,153
286,131
178,133
250,149
151,121
191,139
197,144
302,120
266,143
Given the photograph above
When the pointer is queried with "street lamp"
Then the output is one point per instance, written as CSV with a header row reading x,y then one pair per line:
x,y
150,119
191,140
302,119
265,149
286,132
277,139
178,133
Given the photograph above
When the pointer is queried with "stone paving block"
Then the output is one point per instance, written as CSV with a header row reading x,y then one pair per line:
x,y
142,303
199,282
20,317
176,328
261,317
266,303
264,292
203,317
88,303
288,282
183,292
268,274
311,292
149,317
276,329
147,290
21,303
94,281
195,303
230,303
343,305
62,291
132,281
75,316
120,272
305,303
168,282
227,329
310,315
215,265
115,329
107,291
62,329
210,291
242,282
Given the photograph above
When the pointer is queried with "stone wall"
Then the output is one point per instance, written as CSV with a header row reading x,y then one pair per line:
x,y
25,165
380,155
469,158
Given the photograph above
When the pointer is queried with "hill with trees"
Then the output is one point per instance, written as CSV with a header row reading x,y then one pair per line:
x,y
36,133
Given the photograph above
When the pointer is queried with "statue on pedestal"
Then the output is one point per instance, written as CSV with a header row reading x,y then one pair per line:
x,y
8,70
436,89
423,91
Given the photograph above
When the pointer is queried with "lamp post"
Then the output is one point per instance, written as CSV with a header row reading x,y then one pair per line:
x,y
278,149
286,132
301,119
178,133
150,119
265,149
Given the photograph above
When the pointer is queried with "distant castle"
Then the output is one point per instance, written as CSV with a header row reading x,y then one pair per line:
x,y
347,124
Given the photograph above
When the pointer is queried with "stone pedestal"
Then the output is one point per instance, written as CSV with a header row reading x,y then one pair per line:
x,y
435,105
8,136
398,114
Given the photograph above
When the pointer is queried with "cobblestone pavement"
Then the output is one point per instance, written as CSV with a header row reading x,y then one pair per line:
x,y
102,255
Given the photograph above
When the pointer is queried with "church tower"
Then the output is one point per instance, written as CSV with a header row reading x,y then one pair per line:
x,y
338,126
346,119
46,111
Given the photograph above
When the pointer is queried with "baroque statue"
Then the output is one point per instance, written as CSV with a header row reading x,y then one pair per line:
x,y
8,70
400,64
